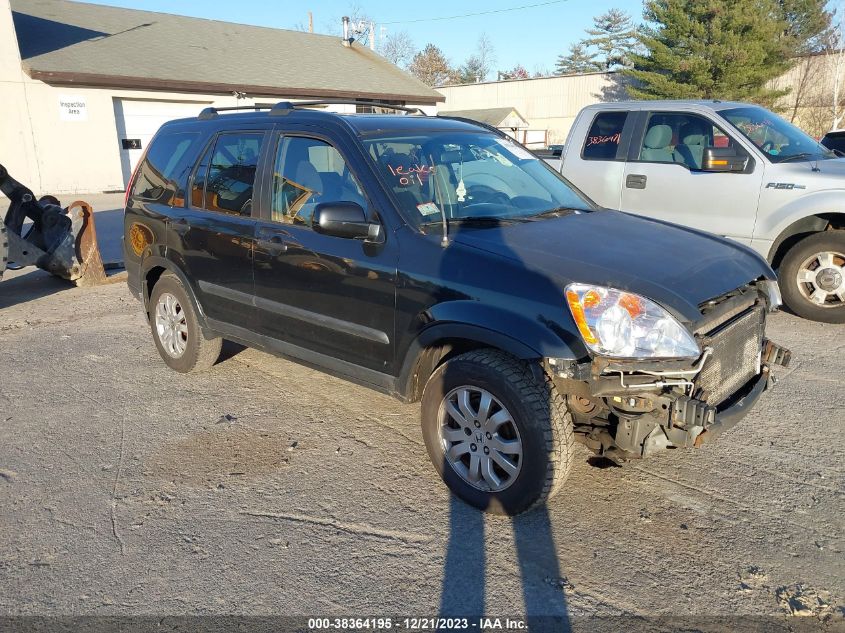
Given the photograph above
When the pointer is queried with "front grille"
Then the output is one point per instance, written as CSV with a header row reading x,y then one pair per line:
x,y
735,359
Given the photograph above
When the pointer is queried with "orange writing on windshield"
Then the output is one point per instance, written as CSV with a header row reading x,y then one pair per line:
x,y
413,174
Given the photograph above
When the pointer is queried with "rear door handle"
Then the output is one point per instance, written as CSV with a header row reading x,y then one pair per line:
x,y
635,181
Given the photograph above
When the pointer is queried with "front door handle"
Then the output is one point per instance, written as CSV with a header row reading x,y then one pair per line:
x,y
635,181
273,244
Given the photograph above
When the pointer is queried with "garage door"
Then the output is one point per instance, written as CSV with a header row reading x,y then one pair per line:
x,y
138,120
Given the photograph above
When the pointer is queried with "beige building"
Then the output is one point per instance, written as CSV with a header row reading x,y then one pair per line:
x,y
548,104
84,87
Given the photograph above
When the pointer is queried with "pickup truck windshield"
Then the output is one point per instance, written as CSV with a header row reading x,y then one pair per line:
x,y
468,176
778,140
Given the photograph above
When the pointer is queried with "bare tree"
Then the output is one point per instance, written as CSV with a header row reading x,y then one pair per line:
x,y
360,19
838,58
398,48
485,54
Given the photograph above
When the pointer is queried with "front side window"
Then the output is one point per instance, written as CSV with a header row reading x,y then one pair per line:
x,y
161,176
225,178
680,138
604,137
778,140
309,171
468,175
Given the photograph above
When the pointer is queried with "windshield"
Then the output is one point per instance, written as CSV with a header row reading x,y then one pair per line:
x,y
469,175
778,140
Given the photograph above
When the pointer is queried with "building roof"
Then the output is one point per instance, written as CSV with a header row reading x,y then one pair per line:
x,y
64,42
497,117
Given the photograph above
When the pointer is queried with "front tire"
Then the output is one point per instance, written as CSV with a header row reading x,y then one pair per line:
x,y
812,277
176,330
499,436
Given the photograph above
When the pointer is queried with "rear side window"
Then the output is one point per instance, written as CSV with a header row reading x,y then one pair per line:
x,y
162,175
602,141
225,177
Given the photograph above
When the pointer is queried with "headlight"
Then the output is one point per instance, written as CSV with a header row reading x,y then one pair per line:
x,y
625,325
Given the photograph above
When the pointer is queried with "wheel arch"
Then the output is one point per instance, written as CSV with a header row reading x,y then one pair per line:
x,y
798,230
442,341
151,271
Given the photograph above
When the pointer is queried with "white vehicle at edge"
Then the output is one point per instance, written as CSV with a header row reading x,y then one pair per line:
x,y
733,169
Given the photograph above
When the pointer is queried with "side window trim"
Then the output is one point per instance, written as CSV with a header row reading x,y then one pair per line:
x,y
646,115
280,134
209,147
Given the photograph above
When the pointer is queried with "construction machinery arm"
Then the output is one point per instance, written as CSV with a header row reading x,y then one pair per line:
x,y
62,241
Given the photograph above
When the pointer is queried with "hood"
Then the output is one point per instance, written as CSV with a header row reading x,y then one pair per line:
x,y
677,267
830,168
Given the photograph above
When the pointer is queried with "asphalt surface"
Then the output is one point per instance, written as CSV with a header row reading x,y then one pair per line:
x,y
267,488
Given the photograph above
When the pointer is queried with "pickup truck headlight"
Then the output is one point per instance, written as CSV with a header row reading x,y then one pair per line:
x,y
621,324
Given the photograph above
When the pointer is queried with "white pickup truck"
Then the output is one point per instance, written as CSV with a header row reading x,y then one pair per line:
x,y
733,169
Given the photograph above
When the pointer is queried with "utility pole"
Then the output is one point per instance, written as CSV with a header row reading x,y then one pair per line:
x,y
310,22
372,36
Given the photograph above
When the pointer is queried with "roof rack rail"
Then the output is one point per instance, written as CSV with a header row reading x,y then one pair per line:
x,y
284,107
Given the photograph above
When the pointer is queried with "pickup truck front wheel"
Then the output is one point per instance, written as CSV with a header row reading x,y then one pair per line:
x,y
499,435
812,277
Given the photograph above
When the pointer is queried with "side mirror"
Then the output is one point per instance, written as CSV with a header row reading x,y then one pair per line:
x,y
722,159
345,219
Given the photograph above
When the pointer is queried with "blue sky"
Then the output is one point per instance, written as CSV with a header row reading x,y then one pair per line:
x,y
533,37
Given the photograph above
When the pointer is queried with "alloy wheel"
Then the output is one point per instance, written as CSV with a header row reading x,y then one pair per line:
x,y
171,325
821,279
480,439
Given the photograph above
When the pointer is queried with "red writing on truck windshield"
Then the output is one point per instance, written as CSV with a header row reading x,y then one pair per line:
x,y
600,140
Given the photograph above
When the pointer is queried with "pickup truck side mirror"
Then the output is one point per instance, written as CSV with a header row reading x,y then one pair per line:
x,y
722,159
345,219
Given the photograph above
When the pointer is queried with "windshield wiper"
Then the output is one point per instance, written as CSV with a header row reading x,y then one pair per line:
x,y
479,219
557,212
798,156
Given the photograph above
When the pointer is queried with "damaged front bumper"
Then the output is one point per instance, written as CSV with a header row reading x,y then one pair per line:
x,y
632,409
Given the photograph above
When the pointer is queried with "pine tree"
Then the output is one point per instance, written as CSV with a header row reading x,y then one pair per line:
x,y
712,49
431,67
579,60
809,24
472,71
614,36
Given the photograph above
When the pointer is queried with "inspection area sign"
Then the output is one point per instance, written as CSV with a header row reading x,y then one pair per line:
x,y
73,108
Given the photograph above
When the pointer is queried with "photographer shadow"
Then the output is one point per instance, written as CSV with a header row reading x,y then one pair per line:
x,y
465,569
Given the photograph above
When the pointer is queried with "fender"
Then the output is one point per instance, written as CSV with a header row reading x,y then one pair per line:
x,y
773,225
157,261
486,326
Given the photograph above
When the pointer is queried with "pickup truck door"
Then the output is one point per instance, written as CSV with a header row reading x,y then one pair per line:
x,y
327,298
663,177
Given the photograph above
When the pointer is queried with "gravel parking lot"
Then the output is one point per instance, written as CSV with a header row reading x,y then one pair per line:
x,y
265,487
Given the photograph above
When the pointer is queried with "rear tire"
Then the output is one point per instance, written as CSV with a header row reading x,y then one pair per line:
x,y
176,330
473,445
815,268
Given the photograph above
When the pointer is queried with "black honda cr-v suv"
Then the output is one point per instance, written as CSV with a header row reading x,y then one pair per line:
x,y
438,260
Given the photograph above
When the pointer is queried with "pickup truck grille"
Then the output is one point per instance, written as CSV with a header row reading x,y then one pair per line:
x,y
735,359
